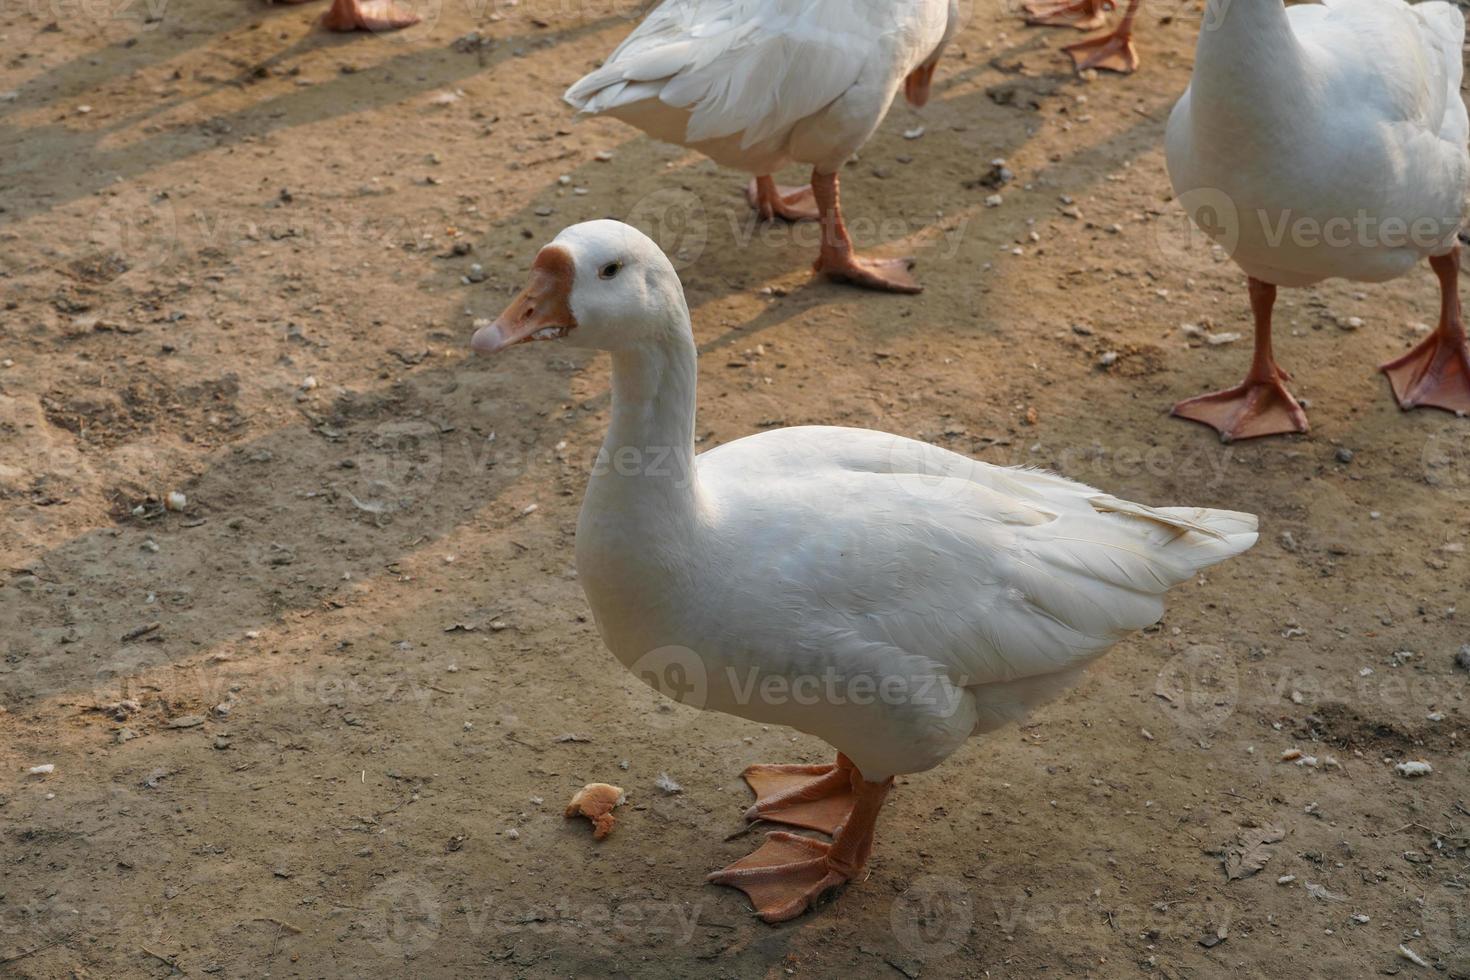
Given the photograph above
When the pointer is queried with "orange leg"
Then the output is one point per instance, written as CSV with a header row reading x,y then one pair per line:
x,y
787,874
772,201
1437,372
1260,405
814,797
1085,15
1110,52
837,259
367,15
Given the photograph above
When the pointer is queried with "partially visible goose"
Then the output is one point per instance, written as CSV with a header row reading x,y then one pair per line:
x,y
887,596
364,15
1322,141
758,84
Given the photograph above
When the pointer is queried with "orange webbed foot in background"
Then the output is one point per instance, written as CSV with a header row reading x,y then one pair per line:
x,y
773,201
1110,52
1084,15
1247,411
368,15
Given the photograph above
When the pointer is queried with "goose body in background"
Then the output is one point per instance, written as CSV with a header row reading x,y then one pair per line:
x,y
756,85
887,596
1328,141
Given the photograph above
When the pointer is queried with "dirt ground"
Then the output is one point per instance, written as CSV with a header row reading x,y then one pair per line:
x,y
321,722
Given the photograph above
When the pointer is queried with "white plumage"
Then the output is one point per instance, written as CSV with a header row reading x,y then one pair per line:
x,y
839,553
975,591
1322,112
884,595
758,84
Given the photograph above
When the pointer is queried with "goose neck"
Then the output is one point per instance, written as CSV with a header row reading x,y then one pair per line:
x,y
1249,46
650,441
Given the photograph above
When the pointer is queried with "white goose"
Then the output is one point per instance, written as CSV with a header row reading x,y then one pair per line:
x,y
1327,140
885,595
758,84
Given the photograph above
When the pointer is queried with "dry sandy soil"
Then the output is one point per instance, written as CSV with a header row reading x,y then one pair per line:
x,y
355,656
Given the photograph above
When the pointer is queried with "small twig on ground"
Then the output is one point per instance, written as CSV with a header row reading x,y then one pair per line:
x,y
163,959
32,951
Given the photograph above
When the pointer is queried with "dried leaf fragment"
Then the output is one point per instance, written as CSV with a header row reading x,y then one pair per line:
x,y
1250,853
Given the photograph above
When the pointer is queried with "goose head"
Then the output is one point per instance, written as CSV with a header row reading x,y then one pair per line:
x,y
599,284
916,85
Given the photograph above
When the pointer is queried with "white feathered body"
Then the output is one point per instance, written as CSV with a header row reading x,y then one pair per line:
x,y
1325,140
887,596
758,84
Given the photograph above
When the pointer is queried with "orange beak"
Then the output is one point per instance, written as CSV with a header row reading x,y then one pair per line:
x,y
541,311
916,86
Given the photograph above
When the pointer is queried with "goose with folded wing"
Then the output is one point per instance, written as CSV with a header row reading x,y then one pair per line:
x,y
887,596
758,84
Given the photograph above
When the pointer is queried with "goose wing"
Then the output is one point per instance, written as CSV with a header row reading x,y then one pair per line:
x,y
754,67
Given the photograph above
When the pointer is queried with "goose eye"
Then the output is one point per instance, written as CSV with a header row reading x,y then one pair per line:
x,y
609,270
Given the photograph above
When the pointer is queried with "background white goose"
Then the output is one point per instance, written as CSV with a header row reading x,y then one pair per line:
x,y
759,84
885,595
1328,140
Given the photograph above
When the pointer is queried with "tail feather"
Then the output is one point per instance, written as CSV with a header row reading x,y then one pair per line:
x,y
1229,532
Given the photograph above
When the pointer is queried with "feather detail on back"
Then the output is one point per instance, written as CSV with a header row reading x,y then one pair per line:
x,y
1031,572
752,70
